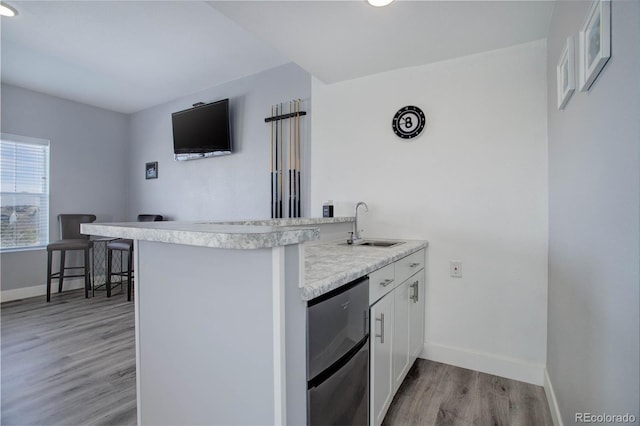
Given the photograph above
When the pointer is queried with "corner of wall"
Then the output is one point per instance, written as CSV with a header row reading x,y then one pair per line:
x,y
511,368
551,400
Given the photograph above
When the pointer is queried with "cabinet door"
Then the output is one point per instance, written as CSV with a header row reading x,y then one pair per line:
x,y
401,329
381,368
416,313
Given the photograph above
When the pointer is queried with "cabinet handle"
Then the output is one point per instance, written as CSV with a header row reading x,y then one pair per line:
x,y
413,265
414,297
381,335
386,282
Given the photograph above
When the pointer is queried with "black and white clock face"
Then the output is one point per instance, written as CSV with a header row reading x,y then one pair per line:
x,y
408,122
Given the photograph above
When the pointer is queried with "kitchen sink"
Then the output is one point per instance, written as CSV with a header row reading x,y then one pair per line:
x,y
376,243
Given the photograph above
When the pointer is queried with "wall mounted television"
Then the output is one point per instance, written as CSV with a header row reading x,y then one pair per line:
x,y
202,131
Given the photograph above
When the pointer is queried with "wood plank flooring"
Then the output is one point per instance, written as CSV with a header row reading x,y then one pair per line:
x,y
68,362
441,394
72,362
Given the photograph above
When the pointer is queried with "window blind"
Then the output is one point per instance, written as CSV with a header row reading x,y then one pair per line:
x,y
24,192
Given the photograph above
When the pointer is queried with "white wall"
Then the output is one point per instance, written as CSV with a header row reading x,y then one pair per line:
x,y
594,239
88,173
474,185
236,186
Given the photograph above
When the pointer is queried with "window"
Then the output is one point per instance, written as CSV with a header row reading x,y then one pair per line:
x,y
24,192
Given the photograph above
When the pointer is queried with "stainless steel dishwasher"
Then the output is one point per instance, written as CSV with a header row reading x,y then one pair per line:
x,y
338,356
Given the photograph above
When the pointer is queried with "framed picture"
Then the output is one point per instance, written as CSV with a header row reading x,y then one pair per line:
x,y
595,43
151,170
565,74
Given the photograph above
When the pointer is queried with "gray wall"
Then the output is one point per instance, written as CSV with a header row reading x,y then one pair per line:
x,y
594,177
88,171
205,334
236,186
98,158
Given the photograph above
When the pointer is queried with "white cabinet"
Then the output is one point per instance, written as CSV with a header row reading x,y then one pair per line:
x,y
381,343
381,282
401,327
416,315
397,328
409,265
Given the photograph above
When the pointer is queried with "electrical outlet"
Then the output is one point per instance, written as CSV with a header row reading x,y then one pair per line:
x,y
455,268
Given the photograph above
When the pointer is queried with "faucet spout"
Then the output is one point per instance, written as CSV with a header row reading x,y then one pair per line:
x,y
356,230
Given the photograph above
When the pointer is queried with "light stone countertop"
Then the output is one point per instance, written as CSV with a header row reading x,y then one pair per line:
x,y
205,234
242,234
331,264
296,221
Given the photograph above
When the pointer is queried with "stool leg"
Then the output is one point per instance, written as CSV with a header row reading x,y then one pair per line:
x,y
61,279
129,275
49,260
108,279
87,285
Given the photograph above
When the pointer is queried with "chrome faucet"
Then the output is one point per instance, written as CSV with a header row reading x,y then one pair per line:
x,y
355,235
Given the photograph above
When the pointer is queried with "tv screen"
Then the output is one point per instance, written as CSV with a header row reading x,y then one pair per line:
x,y
202,131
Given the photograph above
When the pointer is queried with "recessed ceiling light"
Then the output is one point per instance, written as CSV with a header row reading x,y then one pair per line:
x,y
379,3
6,10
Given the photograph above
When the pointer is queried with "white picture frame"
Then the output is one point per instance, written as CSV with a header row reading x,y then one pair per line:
x,y
565,73
595,43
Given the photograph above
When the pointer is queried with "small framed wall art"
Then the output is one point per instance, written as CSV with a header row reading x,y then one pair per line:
x,y
595,43
565,74
151,170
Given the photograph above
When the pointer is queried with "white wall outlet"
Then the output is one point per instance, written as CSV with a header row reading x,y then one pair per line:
x,y
455,268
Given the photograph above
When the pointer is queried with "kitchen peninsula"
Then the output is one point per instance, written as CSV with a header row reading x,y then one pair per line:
x,y
221,313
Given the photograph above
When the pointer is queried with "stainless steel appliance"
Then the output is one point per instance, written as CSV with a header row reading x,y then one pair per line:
x,y
338,356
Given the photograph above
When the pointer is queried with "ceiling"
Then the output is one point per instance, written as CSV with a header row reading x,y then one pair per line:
x,y
130,55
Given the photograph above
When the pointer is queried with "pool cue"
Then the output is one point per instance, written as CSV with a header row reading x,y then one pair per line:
x,y
280,166
272,174
291,213
276,159
295,160
298,159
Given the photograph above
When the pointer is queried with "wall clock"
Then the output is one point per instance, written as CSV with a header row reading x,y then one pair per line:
x,y
408,122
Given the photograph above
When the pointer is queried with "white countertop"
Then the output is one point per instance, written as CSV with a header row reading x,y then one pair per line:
x,y
331,264
205,234
246,234
295,221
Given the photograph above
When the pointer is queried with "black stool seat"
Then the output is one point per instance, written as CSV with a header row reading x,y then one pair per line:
x,y
120,244
125,245
69,245
71,239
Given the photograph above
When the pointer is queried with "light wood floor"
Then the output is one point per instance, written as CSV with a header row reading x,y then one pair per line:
x,y
441,394
68,362
72,362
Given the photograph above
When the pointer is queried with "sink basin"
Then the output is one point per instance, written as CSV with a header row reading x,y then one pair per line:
x,y
380,243
377,243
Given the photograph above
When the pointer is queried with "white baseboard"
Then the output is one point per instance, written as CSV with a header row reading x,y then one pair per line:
x,y
39,290
552,401
511,368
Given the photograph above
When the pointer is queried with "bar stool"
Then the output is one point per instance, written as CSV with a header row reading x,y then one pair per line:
x,y
71,239
125,245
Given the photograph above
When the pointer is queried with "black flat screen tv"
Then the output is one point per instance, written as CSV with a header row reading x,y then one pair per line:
x,y
202,131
